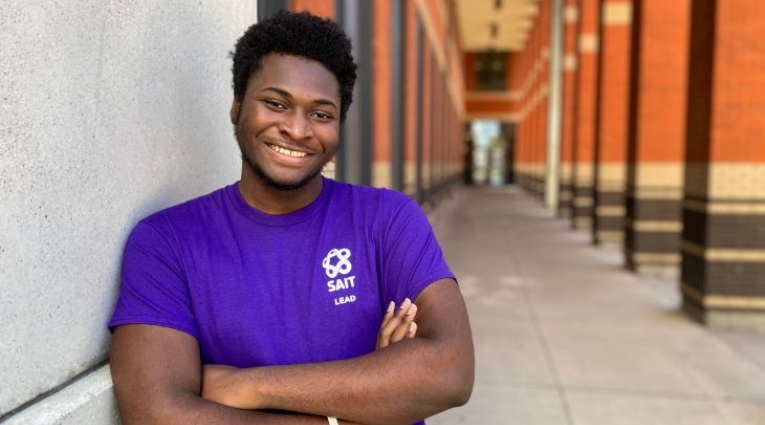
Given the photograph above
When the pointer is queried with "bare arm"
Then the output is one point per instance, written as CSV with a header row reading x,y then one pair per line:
x,y
157,380
400,384
157,377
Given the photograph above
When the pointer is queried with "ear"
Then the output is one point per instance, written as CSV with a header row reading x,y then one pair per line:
x,y
234,112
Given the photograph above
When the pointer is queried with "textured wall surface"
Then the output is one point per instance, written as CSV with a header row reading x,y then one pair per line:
x,y
110,111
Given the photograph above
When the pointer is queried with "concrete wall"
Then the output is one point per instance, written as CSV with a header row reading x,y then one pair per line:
x,y
110,110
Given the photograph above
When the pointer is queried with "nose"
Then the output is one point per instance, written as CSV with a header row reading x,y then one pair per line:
x,y
296,125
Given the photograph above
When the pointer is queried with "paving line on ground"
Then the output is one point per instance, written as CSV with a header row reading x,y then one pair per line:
x,y
560,389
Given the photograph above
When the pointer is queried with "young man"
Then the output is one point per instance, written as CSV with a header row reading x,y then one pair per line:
x,y
271,301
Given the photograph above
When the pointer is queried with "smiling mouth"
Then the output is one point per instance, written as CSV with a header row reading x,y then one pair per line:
x,y
288,152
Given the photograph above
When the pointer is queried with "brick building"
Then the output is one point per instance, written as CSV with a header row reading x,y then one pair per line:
x,y
638,120
662,153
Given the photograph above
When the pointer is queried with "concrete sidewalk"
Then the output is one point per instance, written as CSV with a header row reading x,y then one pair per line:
x,y
565,336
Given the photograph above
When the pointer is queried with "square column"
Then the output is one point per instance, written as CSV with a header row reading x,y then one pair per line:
x,y
568,130
588,47
656,153
723,242
610,177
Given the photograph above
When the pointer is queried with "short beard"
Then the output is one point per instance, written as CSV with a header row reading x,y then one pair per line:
x,y
268,181
262,176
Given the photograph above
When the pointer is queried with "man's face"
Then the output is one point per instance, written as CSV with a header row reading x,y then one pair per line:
x,y
288,123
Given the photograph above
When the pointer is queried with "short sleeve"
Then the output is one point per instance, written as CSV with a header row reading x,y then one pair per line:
x,y
154,289
412,256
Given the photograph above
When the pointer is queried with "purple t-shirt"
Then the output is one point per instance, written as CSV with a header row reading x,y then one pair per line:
x,y
257,289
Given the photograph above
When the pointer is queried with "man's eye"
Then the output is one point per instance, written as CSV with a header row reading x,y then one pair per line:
x,y
274,104
322,116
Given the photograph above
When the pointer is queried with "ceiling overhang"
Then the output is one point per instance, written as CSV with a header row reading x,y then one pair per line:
x,y
502,25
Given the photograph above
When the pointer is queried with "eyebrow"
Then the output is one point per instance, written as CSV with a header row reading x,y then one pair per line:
x,y
285,93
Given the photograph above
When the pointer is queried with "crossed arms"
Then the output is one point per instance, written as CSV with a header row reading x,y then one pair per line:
x,y
158,376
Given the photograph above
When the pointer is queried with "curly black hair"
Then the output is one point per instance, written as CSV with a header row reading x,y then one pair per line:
x,y
298,34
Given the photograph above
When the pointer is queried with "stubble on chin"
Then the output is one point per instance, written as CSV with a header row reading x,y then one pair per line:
x,y
268,181
262,176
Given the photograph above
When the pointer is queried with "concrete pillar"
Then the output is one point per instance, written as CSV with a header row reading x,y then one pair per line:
x,y
412,59
588,46
555,106
398,69
569,108
539,117
656,135
541,108
610,176
354,155
109,113
723,246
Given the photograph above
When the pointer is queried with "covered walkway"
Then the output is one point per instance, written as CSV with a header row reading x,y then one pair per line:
x,y
565,335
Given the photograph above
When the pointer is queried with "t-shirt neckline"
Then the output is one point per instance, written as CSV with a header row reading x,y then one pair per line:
x,y
262,218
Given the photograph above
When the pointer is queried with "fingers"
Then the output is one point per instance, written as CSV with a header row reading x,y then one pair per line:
x,y
383,336
405,325
412,330
399,325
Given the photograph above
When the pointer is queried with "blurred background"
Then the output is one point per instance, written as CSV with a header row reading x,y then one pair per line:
x,y
594,169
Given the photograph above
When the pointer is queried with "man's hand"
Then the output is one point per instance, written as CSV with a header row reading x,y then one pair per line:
x,y
399,325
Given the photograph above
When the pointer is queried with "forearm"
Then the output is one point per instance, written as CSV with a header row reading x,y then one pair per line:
x,y
401,384
157,381
187,409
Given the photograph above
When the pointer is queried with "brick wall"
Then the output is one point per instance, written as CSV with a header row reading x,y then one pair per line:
x,y
723,243
612,113
658,92
588,46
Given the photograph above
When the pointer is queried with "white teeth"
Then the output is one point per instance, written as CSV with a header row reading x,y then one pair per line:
x,y
284,151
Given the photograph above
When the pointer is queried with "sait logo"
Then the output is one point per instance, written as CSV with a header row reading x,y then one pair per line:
x,y
337,262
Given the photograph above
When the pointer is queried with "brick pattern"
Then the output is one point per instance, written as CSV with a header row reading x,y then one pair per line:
x,y
726,181
739,278
653,221
659,81
609,202
584,139
650,210
652,235
528,73
582,195
568,123
739,82
727,231
723,239
612,119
